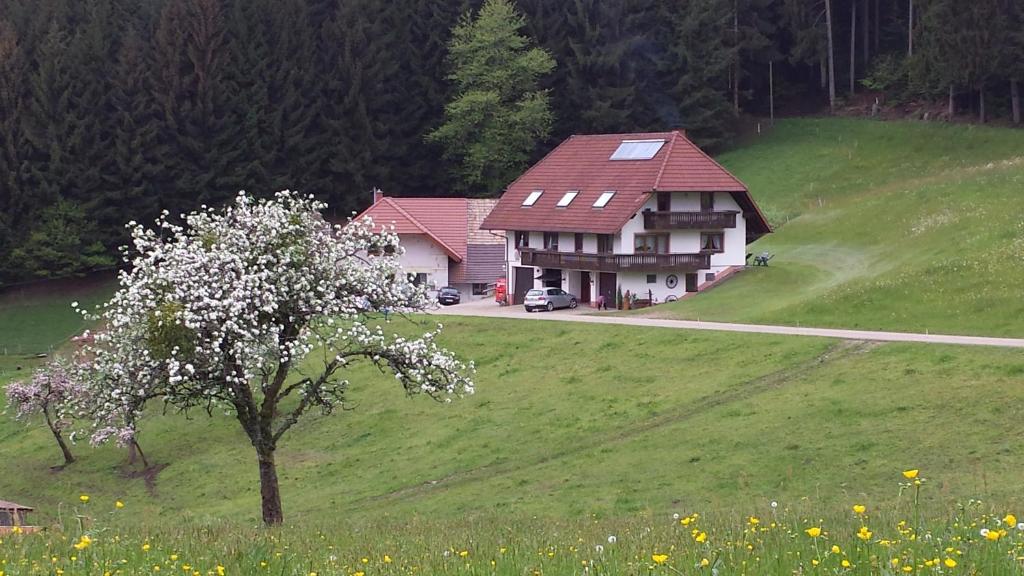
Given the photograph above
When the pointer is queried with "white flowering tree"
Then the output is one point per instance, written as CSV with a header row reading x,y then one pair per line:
x,y
256,310
52,392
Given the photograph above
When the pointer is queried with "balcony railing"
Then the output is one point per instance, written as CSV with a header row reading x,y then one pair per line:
x,y
614,262
688,220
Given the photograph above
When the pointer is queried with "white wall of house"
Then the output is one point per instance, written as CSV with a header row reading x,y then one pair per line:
x,y
680,242
423,255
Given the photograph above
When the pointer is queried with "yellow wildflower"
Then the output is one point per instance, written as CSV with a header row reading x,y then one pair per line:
x,y
813,531
118,504
387,559
703,562
814,562
1010,520
754,520
910,474
145,547
836,549
360,573
84,498
845,563
174,557
949,562
464,553
864,533
701,537
659,558
993,535
220,570
859,508
908,568
83,542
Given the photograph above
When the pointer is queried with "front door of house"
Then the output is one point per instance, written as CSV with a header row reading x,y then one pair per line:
x,y
691,282
584,287
607,284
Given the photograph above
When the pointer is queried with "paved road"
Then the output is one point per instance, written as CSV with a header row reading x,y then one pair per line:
x,y
491,310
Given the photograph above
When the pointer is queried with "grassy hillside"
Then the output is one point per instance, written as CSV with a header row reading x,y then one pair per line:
x,y
573,420
35,318
896,226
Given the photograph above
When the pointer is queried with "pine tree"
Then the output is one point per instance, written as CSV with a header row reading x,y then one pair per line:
x,y
498,115
702,57
134,183
601,76
13,204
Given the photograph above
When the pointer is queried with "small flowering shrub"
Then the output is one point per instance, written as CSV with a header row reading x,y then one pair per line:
x,y
218,314
52,392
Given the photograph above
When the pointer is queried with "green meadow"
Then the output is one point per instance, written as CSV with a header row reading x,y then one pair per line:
x,y
583,442
899,226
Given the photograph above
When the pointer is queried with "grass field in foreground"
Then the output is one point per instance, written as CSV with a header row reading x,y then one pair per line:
x,y
847,536
572,420
900,226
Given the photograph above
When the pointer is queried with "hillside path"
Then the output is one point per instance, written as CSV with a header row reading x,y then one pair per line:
x,y
489,309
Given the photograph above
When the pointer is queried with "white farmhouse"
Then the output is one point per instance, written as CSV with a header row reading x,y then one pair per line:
x,y
444,244
647,213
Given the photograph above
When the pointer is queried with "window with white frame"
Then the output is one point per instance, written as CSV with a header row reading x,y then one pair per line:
x,y
532,198
604,199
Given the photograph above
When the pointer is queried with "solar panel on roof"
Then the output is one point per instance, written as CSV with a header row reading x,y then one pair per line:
x,y
532,198
637,149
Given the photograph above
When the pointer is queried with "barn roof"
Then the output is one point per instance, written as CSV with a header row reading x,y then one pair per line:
x,y
632,165
446,221
5,505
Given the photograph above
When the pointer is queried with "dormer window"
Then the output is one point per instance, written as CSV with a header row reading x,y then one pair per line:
x,y
604,199
637,149
532,198
567,198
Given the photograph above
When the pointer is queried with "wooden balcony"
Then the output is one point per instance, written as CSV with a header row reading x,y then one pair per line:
x,y
689,220
614,262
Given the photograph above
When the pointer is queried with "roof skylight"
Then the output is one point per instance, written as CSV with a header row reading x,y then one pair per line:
x,y
567,198
603,199
532,198
637,149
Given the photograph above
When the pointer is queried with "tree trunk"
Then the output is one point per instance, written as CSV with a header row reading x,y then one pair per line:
x,y
952,103
823,68
771,91
878,18
981,103
910,30
68,457
270,491
736,62
831,59
865,37
1015,100
134,450
853,44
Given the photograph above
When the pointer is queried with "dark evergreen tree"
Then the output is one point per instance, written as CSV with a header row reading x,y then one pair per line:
x,y
699,69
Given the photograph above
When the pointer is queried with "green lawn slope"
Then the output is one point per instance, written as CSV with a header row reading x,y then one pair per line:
x,y
900,226
571,420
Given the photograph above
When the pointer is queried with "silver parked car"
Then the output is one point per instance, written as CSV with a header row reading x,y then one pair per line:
x,y
548,299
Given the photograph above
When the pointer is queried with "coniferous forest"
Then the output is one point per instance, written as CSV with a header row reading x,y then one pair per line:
x,y
111,110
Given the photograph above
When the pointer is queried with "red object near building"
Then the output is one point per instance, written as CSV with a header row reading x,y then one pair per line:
x,y
501,292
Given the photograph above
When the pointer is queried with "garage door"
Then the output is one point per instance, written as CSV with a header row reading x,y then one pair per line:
x,y
524,283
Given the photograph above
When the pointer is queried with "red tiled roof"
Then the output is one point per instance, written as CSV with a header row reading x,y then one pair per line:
x,y
582,163
443,220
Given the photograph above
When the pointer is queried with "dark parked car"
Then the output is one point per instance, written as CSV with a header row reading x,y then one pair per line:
x,y
449,295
